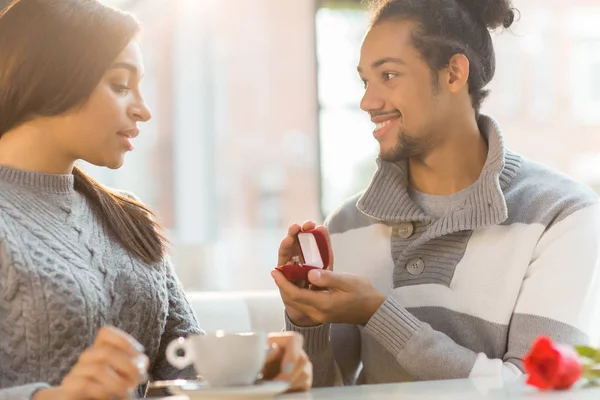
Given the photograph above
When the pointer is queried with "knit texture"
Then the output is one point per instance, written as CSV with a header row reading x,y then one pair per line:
x,y
63,276
471,280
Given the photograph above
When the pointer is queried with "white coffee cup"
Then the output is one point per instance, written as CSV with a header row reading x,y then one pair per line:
x,y
222,359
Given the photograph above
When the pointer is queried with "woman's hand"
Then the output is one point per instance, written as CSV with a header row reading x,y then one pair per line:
x,y
113,366
288,361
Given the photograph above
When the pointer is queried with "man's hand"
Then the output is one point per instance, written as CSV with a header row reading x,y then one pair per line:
x,y
290,248
346,298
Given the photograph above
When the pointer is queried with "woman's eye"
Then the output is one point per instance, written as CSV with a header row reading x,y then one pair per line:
x,y
121,89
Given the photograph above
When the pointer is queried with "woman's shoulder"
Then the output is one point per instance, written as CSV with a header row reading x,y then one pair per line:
x,y
131,197
126,193
11,218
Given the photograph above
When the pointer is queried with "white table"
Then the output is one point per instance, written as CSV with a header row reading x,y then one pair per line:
x,y
461,389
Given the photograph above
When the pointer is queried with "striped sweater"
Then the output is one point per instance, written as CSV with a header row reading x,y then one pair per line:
x,y
469,291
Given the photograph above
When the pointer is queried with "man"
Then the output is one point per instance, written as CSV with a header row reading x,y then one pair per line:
x,y
460,252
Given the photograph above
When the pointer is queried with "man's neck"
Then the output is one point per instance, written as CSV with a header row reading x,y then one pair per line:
x,y
454,164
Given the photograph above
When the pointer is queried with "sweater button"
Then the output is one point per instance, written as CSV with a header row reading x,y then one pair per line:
x,y
405,230
415,266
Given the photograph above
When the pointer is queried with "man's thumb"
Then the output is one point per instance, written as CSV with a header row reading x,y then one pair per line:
x,y
323,278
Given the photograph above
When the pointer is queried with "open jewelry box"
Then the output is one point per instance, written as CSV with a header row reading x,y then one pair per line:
x,y
315,255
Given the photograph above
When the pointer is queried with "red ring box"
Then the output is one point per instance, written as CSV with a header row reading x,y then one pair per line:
x,y
315,253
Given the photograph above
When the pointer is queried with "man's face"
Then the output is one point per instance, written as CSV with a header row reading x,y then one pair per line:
x,y
401,95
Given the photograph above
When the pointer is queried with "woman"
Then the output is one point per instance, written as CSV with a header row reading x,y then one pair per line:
x,y
88,299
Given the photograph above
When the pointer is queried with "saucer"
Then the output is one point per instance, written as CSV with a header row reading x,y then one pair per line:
x,y
262,390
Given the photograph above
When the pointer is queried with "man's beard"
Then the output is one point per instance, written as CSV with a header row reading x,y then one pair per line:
x,y
407,146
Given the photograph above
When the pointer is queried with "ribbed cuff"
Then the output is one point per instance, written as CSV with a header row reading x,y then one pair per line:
x,y
316,338
392,325
22,392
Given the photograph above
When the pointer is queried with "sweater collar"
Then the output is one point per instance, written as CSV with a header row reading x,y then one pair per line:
x,y
387,199
38,181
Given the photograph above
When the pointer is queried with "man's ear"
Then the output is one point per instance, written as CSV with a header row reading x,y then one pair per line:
x,y
456,75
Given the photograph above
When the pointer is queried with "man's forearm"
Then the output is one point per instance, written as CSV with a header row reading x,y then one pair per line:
x,y
318,348
427,354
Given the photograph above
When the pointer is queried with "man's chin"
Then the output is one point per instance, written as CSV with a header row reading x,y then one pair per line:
x,y
392,155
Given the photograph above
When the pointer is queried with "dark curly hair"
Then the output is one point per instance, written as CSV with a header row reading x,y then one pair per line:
x,y
449,27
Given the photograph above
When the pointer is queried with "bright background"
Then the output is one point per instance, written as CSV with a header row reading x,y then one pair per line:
x,y
256,120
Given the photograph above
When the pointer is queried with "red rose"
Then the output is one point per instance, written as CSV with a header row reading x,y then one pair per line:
x,y
552,366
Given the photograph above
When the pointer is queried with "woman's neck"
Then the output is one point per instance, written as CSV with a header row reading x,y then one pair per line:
x,y
31,148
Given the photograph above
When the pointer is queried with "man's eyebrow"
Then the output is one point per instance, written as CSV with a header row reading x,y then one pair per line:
x,y
385,60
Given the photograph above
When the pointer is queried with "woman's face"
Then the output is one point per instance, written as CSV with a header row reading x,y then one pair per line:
x,y
101,131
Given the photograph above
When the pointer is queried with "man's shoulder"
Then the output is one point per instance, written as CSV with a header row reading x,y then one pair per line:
x,y
347,216
541,194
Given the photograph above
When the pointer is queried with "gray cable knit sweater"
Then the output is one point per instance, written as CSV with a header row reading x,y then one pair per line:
x,y
63,276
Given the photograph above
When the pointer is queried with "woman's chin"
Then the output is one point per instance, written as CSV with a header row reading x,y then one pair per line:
x,y
114,162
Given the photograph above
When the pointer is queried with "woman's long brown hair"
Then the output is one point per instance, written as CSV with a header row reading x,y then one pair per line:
x,y
53,53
